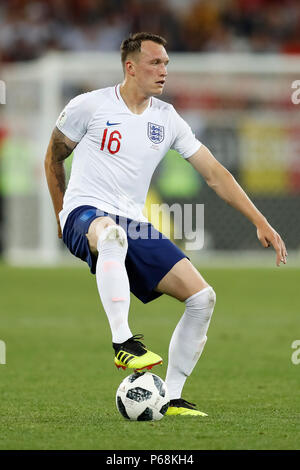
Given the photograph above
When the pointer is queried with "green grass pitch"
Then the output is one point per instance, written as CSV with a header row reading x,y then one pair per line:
x,y
58,386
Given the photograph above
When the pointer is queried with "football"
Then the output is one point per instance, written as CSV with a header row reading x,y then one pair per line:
x,y
142,396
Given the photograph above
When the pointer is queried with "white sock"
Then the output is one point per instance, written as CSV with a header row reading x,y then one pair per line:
x,y
112,280
188,339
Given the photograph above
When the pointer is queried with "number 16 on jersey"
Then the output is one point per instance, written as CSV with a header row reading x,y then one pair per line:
x,y
113,143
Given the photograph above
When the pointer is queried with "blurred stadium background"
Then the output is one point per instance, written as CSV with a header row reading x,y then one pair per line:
x,y
233,63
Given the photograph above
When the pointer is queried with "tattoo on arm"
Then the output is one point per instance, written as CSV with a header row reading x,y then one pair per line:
x,y
61,146
60,177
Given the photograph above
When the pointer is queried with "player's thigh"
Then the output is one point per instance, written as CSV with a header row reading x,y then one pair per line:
x,y
95,230
182,281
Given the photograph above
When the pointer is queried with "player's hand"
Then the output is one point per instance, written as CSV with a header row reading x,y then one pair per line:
x,y
267,237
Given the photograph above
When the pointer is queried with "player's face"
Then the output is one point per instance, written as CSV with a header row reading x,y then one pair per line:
x,y
151,68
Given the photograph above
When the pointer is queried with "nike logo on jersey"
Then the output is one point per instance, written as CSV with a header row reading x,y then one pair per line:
x,y
112,123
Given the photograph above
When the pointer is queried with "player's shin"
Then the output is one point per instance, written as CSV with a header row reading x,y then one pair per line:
x,y
188,339
112,280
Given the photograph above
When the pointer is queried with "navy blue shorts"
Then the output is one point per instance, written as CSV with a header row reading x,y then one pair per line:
x,y
148,260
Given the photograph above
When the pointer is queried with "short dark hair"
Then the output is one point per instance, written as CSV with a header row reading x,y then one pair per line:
x,y
134,42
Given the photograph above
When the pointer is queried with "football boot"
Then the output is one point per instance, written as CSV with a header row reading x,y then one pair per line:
x,y
181,407
132,354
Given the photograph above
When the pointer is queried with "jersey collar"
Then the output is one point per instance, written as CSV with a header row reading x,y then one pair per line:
x,y
120,99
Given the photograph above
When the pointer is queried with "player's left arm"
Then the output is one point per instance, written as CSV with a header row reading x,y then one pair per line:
x,y
225,185
60,147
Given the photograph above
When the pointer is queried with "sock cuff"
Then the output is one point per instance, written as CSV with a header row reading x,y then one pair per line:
x,y
113,233
189,300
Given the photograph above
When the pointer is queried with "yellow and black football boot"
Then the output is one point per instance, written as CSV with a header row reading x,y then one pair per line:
x,y
181,407
132,354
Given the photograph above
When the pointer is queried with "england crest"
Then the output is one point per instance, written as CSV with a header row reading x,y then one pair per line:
x,y
156,133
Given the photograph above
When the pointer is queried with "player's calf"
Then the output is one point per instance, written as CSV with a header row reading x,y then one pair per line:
x,y
112,280
188,339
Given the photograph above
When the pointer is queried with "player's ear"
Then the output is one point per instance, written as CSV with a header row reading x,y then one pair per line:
x,y
130,68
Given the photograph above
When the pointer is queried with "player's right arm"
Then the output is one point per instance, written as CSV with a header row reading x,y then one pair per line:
x,y
59,148
225,185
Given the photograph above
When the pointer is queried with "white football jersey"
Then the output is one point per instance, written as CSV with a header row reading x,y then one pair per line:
x,y
118,150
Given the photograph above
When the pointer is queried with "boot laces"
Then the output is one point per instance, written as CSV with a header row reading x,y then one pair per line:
x,y
180,402
135,343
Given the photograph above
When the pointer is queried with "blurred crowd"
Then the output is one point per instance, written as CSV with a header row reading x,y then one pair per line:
x,y
29,28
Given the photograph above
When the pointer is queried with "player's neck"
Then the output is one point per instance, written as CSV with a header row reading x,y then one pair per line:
x,y
134,99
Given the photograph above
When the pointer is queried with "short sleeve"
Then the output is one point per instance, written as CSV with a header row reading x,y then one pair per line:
x,y
184,141
74,119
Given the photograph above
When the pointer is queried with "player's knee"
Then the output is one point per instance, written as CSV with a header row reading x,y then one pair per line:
x,y
100,224
212,297
202,303
209,300
113,232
